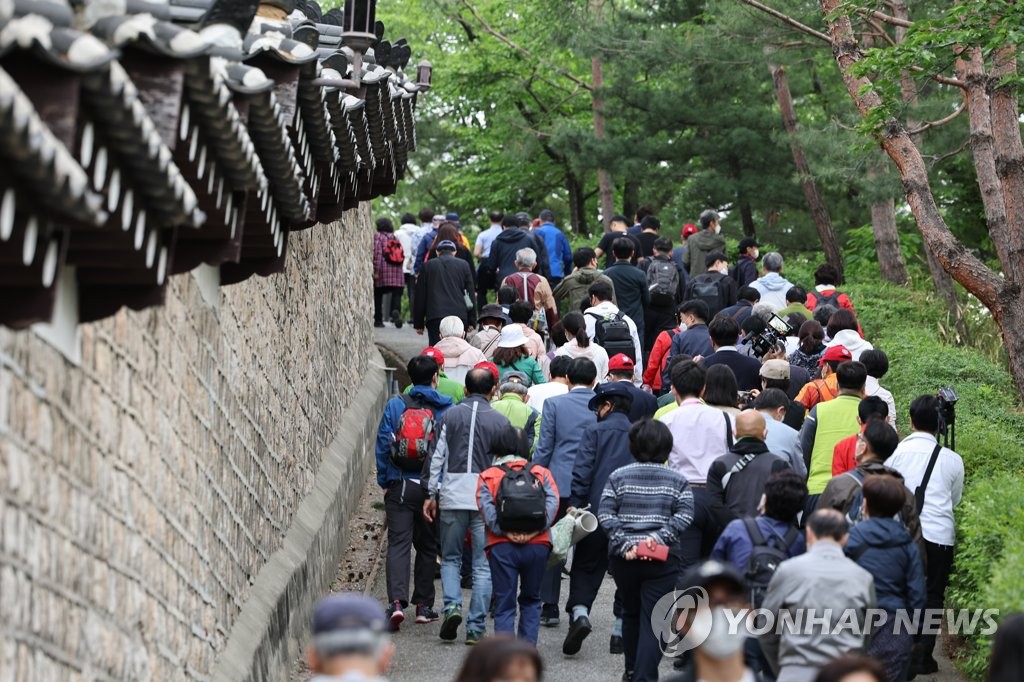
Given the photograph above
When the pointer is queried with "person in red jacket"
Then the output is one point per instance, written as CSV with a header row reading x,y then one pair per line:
x,y
517,558
659,357
825,280
844,454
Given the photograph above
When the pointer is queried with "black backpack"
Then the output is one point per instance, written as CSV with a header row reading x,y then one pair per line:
x,y
611,332
662,282
707,288
521,501
765,557
832,299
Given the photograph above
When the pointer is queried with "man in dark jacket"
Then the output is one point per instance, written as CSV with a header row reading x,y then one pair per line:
x,y
695,339
603,449
660,314
736,480
621,368
514,237
724,335
746,264
715,287
746,299
631,293
404,497
441,290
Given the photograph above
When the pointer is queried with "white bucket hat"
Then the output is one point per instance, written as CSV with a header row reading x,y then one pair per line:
x,y
512,337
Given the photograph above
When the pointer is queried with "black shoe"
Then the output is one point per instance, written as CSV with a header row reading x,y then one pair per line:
x,y
450,624
378,325
578,631
615,645
549,615
627,676
396,319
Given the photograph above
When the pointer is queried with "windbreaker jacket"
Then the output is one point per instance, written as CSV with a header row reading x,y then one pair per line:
x,y
388,473
604,448
462,450
699,246
884,548
441,290
557,245
502,258
573,289
487,494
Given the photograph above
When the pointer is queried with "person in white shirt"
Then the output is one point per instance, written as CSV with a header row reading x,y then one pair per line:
x,y
482,249
579,344
557,383
601,306
942,493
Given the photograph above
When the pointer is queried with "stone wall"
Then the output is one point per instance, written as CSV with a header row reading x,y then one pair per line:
x,y
143,490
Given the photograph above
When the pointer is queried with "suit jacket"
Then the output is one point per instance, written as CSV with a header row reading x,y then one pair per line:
x,y
746,369
604,448
563,421
644,404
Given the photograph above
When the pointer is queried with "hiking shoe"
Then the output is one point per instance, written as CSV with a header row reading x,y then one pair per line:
x,y
615,645
549,615
450,624
395,616
396,319
578,631
426,614
472,637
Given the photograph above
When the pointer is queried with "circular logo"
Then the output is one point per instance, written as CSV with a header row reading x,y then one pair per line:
x,y
687,608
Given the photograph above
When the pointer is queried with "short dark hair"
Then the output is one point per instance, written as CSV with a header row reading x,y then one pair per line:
x,y
748,294
384,225
582,372
828,523
872,407
520,312
795,319
851,375
650,441
688,378
495,216
642,212
509,221
720,388
408,219
675,360
662,244
772,399
785,494
559,366
826,274
507,295
841,320
479,381
508,440
840,668
714,257
650,222
884,495
601,290
924,413
723,330
421,369
876,362
823,312
582,256
623,247
618,219
796,294
708,217
426,214
881,438
695,307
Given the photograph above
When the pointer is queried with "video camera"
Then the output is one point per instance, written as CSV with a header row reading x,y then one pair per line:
x,y
774,333
947,415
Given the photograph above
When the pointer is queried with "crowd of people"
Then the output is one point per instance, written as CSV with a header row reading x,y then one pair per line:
x,y
717,448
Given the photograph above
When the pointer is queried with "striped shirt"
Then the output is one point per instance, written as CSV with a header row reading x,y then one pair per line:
x,y
644,499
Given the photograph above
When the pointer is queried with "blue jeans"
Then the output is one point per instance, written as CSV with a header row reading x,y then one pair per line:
x,y
454,524
519,566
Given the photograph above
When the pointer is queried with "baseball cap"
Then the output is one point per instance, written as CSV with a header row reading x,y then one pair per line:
x,y
775,369
347,622
452,217
621,362
517,376
604,390
546,214
836,353
446,245
490,367
689,229
746,243
711,571
434,353
494,310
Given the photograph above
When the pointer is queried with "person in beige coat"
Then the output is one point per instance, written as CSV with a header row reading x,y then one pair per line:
x,y
459,355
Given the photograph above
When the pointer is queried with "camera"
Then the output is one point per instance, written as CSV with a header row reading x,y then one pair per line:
x,y
774,333
947,411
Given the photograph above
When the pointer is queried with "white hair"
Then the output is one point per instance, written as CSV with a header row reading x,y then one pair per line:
x,y
763,310
451,326
513,387
526,257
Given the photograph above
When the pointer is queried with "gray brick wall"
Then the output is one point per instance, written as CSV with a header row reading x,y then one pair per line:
x,y
142,491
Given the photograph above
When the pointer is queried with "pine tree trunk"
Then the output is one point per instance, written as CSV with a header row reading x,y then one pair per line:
x,y
605,189
819,212
887,241
577,204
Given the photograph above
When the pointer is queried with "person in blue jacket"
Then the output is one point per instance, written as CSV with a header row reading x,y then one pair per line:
x,y
883,547
403,500
557,244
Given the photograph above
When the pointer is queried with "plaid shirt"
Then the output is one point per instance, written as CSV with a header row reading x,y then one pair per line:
x,y
385,274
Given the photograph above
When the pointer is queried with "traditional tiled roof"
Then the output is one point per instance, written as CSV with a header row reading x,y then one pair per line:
x,y
139,144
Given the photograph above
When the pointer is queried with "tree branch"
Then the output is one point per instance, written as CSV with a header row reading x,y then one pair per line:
x,y
942,121
786,19
883,17
487,28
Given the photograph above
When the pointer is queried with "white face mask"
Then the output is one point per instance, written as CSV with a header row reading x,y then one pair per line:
x,y
718,228
720,642
756,254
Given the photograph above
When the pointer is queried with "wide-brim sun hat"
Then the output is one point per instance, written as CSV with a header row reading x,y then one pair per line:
x,y
512,336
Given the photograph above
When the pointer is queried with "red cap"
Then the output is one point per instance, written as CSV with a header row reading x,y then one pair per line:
x,y
432,352
832,353
621,363
490,367
689,229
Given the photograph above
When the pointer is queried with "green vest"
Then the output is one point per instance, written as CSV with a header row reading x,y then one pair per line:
x,y
837,419
520,415
448,387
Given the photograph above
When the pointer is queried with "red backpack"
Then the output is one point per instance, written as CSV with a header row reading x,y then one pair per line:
x,y
413,436
393,251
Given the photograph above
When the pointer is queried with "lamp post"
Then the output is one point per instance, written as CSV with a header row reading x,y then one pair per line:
x,y
358,31
424,72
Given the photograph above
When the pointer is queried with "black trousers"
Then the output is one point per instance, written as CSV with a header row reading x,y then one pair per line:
x,y
940,565
410,289
640,584
408,529
589,564
386,297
